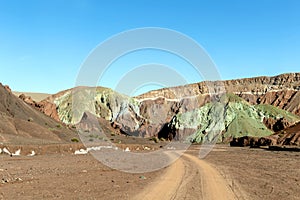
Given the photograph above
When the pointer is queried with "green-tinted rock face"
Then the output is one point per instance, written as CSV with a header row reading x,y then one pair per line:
x,y
134,117
232,118
102,102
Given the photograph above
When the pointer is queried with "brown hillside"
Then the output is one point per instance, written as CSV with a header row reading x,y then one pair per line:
x,y
22,124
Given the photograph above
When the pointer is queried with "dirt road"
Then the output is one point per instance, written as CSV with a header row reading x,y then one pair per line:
x,y
189,178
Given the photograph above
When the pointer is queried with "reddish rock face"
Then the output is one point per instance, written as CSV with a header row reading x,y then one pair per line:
x,y
290,139
284,99
276,124
48,108
44,106
282,91
27,99
288,136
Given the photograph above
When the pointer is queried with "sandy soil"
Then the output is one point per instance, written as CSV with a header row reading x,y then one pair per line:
x,y
66,177
258,174
188,178
226,173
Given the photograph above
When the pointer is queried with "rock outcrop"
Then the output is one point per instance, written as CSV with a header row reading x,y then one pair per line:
x,y
44,106
7,88
277,124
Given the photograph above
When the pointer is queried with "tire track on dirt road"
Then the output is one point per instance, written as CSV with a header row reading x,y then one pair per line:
x,y
188,178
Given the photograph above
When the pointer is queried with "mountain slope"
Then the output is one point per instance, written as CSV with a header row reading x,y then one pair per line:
x,y
22,124
253,107
233,117
131,116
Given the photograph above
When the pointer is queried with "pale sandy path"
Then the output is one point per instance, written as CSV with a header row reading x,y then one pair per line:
x,y
189,178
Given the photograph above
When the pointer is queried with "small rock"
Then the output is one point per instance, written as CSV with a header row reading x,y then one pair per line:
x,y
4,180
19,179
5,150
17,153
127,149
80,152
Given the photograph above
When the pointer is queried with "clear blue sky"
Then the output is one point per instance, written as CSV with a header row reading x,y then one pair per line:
x,y
44,43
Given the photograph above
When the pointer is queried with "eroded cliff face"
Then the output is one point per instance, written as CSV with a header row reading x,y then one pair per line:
x,y
194,109
282,91
138,117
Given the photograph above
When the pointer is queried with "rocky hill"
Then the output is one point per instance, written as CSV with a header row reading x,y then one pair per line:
x,y
282,91
22,124
243,107
233,118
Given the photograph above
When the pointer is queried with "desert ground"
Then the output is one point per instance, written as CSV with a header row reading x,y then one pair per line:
x,y
226,173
